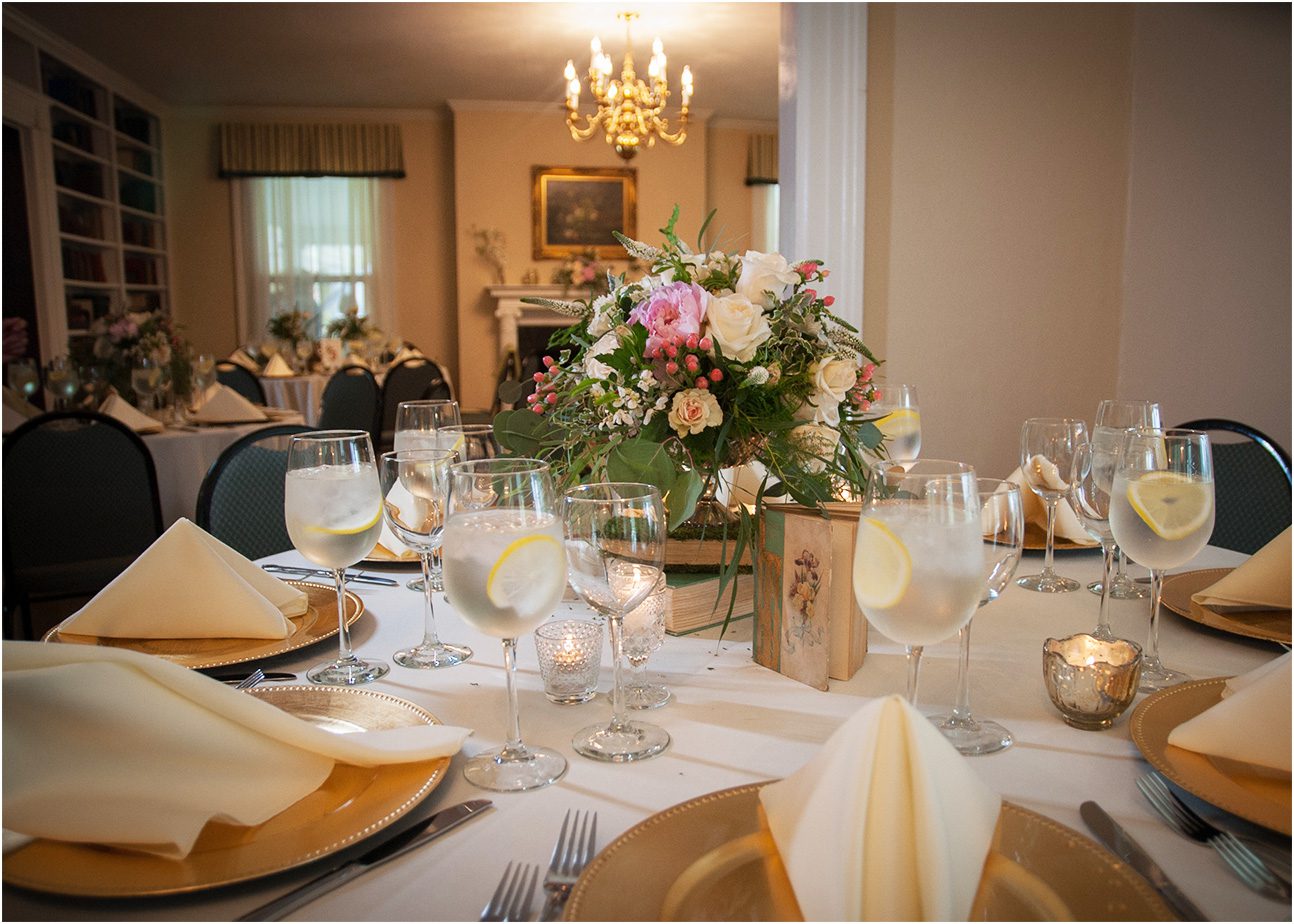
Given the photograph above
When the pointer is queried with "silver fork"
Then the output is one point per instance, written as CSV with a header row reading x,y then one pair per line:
x,y
1246,864
511,900
251,680
572,852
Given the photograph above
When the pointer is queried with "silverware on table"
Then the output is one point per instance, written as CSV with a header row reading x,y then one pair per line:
x,y
511,900
236,677
356,577
1121,844
389,847
1251,869
572,852
250,680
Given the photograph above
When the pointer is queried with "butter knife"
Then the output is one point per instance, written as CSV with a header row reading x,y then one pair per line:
x,y
391,847
1121,844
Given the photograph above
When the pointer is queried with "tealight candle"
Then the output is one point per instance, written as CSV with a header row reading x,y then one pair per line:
x,y
570,656
1089,680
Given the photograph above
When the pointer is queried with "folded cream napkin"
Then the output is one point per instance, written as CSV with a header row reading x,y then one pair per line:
x,y
886,822
118,408
1261,583
1251,724
277,368
12,420
244,359
224,405
19,405
1068,526
188,584
106,745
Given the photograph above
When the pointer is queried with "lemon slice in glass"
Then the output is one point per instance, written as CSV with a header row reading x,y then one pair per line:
x,y
882,566
528,568
899,423
348,530
1171,504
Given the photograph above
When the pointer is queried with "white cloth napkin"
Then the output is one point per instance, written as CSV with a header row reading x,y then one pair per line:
x,y
189,584
106,745
118,408
886,822
277,368
1251,724
244,359
1261,583
224,405
1068,526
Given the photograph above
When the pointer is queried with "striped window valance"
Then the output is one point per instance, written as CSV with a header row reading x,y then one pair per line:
x,y
345,149
761,160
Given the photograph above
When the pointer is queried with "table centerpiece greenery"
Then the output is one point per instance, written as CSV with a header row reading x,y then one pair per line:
x,y
119,339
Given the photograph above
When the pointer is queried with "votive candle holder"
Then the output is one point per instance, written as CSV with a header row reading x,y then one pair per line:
x,y
570,656
1089,680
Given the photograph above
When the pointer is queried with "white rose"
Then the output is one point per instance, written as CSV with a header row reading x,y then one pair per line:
x,y
693,410
820,441
832,380
594,367
737,325
762,273
600,321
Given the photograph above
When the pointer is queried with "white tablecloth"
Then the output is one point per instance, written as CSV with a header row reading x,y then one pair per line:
x,y
302,393
733,722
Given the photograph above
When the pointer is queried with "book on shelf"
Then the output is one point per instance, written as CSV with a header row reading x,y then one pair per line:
x,y
695,602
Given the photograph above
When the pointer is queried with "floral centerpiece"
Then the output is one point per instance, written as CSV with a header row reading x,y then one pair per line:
x,y
583,271
291,327
122,338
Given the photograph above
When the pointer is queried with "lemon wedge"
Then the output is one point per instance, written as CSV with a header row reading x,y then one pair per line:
x,y
1171,504
348,530
882,566
899,423
527,568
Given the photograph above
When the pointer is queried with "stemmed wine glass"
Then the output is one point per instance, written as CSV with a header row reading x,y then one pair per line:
x,y
1092,477
471,441
414,485
145,379
506,570
204,376
1161,512
23,377
1002,524
615,553
1047,447
416,425
899,420
62,381
1114,417
918,565
333,506
644,632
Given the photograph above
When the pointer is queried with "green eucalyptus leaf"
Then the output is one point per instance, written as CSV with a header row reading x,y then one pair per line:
x,y
682,496
510,391
869,435
522,432
644,461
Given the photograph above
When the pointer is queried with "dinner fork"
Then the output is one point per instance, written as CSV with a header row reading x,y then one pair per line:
x,y
251,680
570,855
1246,864
511,900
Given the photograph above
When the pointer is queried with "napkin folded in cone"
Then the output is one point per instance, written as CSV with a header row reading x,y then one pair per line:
x,y
118,408
222,404
1251,724
886,822
407,353
242,358
277,368
1068,526
111,746
1261,583
189,584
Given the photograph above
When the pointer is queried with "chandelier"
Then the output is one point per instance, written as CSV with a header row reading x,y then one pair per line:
x,y
629,109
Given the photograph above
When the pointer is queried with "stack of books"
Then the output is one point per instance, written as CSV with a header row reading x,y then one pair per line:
x,y
695,602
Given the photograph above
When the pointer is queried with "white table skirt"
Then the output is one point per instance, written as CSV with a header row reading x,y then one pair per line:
x,y
733,722
302,393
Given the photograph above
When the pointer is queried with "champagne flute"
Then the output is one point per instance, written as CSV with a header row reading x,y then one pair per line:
x,y
1161,512
1002,524
918,565
1047,447
414,485
333,507
416,423
506,570
23,377
1113,417
1093,481
615,552
899,420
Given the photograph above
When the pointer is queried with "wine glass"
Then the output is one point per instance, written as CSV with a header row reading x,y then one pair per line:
x,y
472,441
305,350
145,378
23,377
1002,524
1047,447
899,420
416,423
644,632
62,381
918,568
204,376
333,507
414,485
1161,512
1092,477
506,570
1113,417
615,553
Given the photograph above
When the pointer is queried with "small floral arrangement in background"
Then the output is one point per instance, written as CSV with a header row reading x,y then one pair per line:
x,y
583,271
120,339
291,326
351,325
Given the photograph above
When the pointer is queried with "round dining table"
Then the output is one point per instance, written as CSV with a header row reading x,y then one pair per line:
x,y
732,722
302,393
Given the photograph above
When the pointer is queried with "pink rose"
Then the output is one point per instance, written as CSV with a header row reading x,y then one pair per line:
x,y
671,313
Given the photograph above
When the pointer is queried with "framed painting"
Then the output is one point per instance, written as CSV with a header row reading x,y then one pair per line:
x,y
575,210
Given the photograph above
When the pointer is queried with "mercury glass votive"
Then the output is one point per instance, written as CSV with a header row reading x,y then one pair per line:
x,y
1089,680
570,656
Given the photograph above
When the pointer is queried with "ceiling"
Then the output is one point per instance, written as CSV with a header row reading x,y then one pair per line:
x,y
413,55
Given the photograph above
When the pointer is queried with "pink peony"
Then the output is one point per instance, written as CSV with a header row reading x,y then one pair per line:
x,y
671,314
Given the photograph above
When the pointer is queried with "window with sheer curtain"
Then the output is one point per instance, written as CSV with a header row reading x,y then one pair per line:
x,y
312,244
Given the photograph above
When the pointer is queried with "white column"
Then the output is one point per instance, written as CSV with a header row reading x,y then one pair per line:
x,y
823,129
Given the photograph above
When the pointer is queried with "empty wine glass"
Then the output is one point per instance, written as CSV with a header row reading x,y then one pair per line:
x,y
416,426
333,506
1092,477
615,550
1113,418
414,485
899,419
23,377
1002,524
145,379
204,376
1162,512
62,381
1047,447
472,441
644,633
918,565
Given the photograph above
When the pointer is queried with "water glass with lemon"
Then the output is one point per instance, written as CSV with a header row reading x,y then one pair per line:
x,y
1114,417
417,426
333,507
899,420
1161,514
505,570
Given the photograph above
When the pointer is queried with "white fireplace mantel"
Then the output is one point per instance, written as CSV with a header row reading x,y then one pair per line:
x,y
513,313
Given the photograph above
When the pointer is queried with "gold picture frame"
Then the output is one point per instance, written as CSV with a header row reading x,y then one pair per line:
x,y
575,209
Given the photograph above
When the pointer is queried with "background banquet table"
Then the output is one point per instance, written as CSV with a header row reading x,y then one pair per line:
x,y
733,722
303,393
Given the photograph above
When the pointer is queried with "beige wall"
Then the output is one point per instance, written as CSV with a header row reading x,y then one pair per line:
x,y
729,196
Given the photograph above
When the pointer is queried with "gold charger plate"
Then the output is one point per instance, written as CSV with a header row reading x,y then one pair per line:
x,y
1256,794
1269,625
317,623
633,878
352,804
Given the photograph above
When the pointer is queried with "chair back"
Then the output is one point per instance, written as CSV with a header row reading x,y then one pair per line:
x,y
241,380
410,380
1251,484
241,499
352,400
441,387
